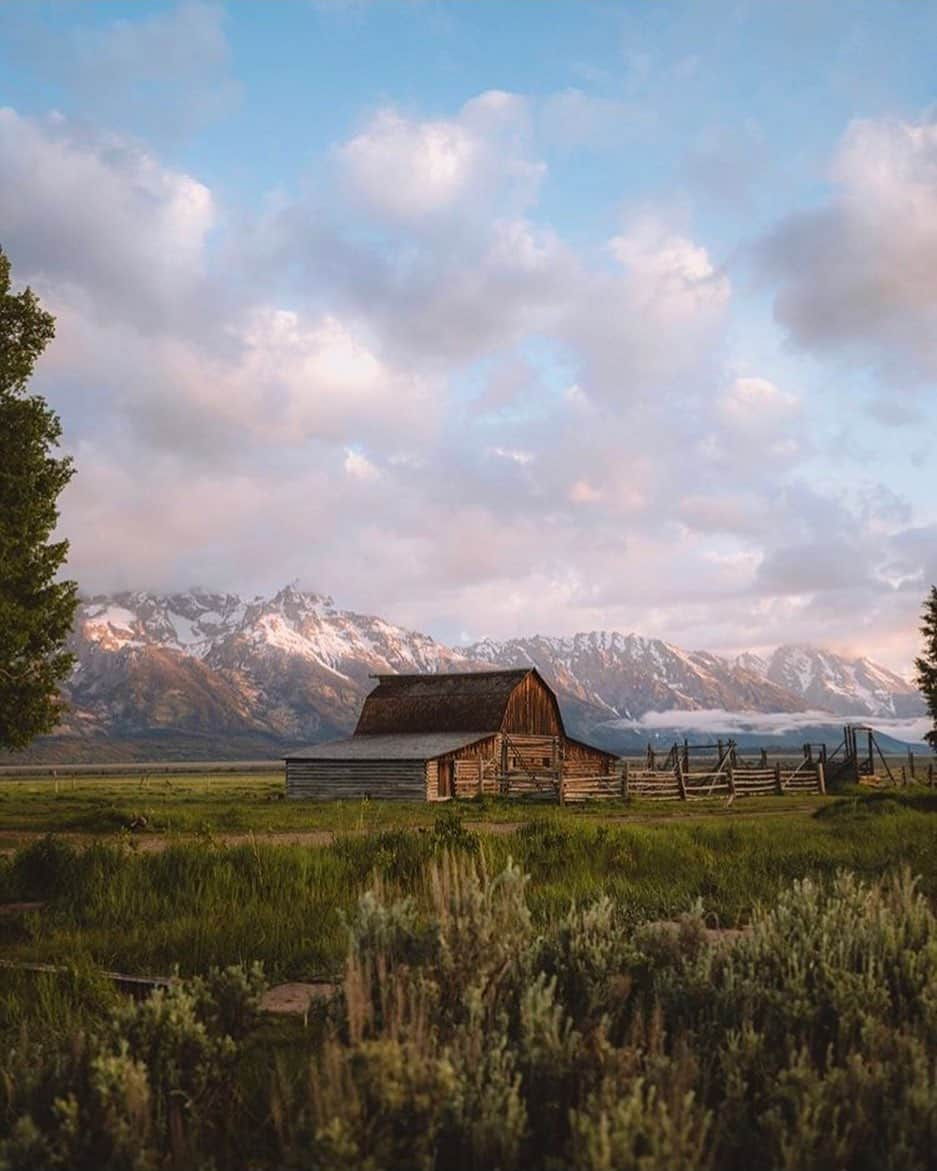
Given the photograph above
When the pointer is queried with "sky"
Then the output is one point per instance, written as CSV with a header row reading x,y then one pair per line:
x,y
493,319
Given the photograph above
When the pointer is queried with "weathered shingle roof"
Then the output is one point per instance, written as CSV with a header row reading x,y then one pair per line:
x,y
438,703
405,746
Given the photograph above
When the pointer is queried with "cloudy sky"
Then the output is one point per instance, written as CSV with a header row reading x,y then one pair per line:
x,y
493,319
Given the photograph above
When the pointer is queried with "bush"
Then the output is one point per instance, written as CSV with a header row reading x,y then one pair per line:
x,y
471,1038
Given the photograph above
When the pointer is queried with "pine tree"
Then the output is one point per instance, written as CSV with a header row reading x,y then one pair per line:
x,y
926,663
36,610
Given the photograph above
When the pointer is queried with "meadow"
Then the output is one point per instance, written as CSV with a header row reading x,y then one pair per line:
x,y
606,953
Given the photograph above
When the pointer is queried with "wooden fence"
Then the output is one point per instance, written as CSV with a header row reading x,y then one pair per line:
x,y
726,781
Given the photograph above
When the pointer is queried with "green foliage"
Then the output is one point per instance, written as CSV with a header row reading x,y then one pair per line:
x,y
36,610
469,1037
805,1043
157,1080
926,663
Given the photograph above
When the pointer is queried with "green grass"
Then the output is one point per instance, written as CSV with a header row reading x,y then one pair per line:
x,y
244,803
199,902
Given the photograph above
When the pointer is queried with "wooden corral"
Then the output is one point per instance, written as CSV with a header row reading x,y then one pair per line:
x,y
435,737
727,780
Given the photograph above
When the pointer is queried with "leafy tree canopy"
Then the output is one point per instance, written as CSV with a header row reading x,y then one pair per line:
x,y
36,610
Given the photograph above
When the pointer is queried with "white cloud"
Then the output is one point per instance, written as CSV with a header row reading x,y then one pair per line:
x,y
756,406
512,454
233,429
714,721
101,214
359,467
409,169
582,492
670,271
857,273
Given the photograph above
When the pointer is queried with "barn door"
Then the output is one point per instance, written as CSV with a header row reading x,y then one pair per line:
x,y
445,778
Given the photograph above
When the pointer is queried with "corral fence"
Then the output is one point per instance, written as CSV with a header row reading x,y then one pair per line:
x,y
726,781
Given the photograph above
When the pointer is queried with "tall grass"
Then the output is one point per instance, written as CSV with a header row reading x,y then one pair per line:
x,y
468,1036
199,904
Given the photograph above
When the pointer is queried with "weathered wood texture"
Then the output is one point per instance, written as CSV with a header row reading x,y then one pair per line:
x,y
349,780
432,780
532,709
730,782
577,789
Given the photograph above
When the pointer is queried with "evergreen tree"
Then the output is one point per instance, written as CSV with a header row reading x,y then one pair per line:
x,y
36,610
926,663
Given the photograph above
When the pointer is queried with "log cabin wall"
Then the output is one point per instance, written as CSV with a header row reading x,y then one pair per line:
x,y
350,780
476,768
432,780
585,760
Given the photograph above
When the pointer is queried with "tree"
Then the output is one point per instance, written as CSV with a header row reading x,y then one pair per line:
x,y
926,663
36,610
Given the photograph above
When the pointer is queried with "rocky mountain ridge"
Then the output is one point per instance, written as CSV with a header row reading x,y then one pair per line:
x,y
293,668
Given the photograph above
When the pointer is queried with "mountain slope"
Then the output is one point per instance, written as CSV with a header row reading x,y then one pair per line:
x,y
631,675
829,682
215,675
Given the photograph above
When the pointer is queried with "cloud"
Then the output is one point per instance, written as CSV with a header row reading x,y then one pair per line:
x,y
429,400
359,467
755,406
411,170
102,215
714,721
856,274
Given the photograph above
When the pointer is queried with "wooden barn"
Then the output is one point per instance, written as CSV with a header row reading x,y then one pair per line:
x,y
434,737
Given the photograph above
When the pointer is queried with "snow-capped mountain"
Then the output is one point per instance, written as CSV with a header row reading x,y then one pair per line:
x,y
630,675
205,674
291,666
830,682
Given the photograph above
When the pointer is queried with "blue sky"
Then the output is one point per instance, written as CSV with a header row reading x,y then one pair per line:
x,y
493,318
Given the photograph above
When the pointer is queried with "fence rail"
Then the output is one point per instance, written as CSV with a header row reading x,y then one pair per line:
x,y
725,782
729,782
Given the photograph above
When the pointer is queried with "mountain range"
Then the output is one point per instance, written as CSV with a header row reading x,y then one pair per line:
x,y
201,674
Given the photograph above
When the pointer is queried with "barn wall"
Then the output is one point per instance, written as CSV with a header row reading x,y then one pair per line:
x,y
532,709
432,780
333,780
483,748
476,765
574,751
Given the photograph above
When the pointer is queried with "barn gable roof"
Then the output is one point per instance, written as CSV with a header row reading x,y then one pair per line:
x,y
454,702
400,746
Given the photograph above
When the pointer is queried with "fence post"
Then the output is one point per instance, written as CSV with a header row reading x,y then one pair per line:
x,y
730,777
764,758
678,773
777,777
911,763
821,778
624,781
562,789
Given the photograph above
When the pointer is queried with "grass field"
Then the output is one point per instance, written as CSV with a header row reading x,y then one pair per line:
x,y
226,872
241,803
229,874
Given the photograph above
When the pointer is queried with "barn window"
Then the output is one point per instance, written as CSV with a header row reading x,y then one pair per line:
x,y
546,762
